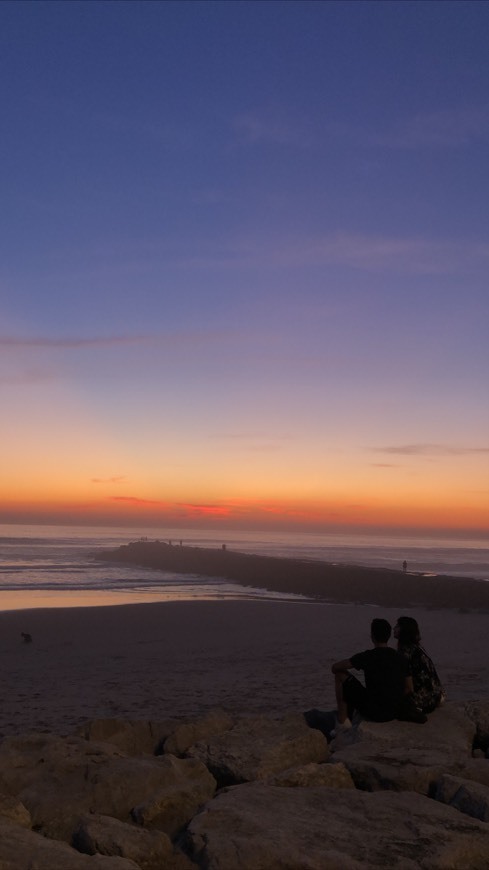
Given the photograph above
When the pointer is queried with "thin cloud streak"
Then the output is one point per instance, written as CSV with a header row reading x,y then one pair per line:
x,y
17,342
107,479
430,450
448,128
133,499
455,127
370,253
255,129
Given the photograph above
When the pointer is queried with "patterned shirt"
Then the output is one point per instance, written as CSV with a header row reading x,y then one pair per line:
x,y
428,691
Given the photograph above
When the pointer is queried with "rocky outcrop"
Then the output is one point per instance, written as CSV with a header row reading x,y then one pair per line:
x,y
258,747
130,737
403,756
21,849
381,795
59,779
188,733
465,795
150,850
257,826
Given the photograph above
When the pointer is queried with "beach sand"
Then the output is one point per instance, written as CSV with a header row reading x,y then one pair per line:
x,y
180,659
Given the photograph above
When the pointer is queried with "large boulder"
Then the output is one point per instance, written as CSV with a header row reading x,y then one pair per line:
x,y
21,849
187,785
58,780
15,811
151,850
465,795
259,827
132,737
331,775
406,756
188,733
258,747
478,713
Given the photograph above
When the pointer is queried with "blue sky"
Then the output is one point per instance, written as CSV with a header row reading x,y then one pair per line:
x,y
245,250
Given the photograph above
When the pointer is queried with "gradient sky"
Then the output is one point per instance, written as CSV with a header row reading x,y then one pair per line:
x,y
244,259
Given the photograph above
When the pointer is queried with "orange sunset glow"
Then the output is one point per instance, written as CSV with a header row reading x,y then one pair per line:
x,y
245,295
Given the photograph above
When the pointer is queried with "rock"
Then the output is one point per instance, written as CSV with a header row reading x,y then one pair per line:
x,y
26,850
151,850
58,780
185,735
15,811
407,756
258,747
131,737
186,787
330,775
259,827
478,713
465,795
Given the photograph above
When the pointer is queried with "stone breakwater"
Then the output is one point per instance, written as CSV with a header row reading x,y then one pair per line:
x,y
221,793
314,579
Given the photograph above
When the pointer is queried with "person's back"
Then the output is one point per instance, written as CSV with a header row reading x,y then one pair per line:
x,y
384,672
427,690
385,679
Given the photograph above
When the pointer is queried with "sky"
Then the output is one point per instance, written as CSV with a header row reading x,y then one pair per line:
x,y
243,264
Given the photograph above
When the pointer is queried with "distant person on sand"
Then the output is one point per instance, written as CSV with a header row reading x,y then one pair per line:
x,y
386,681
404,566
425,686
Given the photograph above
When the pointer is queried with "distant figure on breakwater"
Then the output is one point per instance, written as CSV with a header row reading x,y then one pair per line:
x,y
404,566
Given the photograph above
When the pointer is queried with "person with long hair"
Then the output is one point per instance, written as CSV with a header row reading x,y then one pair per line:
x,y
427,691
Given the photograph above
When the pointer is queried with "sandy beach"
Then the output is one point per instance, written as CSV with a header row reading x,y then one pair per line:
x,y
180,659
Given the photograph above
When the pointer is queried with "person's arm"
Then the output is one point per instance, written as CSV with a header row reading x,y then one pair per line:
x,y
343,665
408,686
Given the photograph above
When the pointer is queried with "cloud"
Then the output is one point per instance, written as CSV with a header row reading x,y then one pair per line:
x,y
391,254
447,128
430,450
17,342
132,499
444,128
256,128
107,479
28,377
207,509
370,253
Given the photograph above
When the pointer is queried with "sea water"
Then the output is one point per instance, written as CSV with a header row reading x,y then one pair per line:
x,y
46,566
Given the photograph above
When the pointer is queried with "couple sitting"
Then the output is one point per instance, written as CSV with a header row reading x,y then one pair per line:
x,y
399,684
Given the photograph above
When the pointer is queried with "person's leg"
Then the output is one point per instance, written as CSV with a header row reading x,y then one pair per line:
x,y
355,695
341,705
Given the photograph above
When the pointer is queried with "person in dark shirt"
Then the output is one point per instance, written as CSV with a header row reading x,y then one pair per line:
x,y
386,680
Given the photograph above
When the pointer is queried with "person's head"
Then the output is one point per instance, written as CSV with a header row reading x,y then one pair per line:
x,y
380,631
406,631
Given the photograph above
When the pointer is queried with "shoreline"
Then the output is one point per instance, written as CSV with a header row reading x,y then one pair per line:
x,y
320,581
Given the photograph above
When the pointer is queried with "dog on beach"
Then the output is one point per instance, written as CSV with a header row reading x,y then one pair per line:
x,y
27,638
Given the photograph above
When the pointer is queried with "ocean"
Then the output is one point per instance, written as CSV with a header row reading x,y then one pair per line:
x,y
53,566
